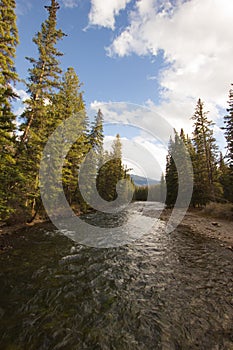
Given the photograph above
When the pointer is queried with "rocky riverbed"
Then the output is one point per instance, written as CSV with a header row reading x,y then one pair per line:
x,y
199,224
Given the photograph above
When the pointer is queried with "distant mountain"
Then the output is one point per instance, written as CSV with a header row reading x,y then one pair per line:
x,y
143,181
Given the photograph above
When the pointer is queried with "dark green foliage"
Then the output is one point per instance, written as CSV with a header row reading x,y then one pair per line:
x,y
224,178
9,41
228,121
206,184
42,85
196,159
141,193
96,135
162,189
89,171
171,174
69,103
228,129
178,171
111,172
9,175
153,193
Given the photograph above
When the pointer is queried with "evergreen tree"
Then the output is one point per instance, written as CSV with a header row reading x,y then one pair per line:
x,y
228,121
8,76
95,157
68,103
171,176
178,172
96,136
141,193
45,73
224,178
111,172
162,187
118,168
42,86
205,161
8,43
195,172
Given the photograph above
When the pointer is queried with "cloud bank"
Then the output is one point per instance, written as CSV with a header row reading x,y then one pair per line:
x,y
103,13
195,38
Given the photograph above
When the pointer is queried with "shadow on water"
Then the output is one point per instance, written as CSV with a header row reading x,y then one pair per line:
x,y
161,292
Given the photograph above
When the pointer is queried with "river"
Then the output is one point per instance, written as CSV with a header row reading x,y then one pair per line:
x,y
163,291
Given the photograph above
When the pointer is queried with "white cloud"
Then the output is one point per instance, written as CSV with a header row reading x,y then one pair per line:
x,y
70,3
145,132
103,13
144,118
23,95
196,39
19,111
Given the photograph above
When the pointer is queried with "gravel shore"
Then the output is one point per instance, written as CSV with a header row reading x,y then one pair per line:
x,y
207,226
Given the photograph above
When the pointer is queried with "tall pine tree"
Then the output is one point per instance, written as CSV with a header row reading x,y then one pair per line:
x,y
205,161
111,173
228,121
8,76
171,175
178,172
162,189
43,82
69,103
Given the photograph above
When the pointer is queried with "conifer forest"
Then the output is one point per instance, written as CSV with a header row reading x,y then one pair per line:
x,y
53,96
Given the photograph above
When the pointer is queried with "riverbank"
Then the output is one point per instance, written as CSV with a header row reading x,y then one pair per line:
x,y
195,220
219,229
9,235
206,225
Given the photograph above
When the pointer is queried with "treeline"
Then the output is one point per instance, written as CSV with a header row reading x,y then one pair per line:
x,y
212,172
196,161
53,96
153,193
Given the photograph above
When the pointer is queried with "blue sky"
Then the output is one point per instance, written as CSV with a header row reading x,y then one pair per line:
x,y
104,78
158,54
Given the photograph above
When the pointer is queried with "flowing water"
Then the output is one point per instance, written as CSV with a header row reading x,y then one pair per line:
x,y
164,291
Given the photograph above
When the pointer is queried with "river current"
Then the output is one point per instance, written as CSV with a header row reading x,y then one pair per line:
x,y
163,291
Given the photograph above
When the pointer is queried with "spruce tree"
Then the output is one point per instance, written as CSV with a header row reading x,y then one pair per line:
x,y
195,201
205,161
178,172
93,145
8,43
171,176
228,129
96,136
118,170
8,76
69,103
43,82
162,188
224,178
45,73
112,172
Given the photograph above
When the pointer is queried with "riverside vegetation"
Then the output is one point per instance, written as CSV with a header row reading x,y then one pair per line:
x,y
53,96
